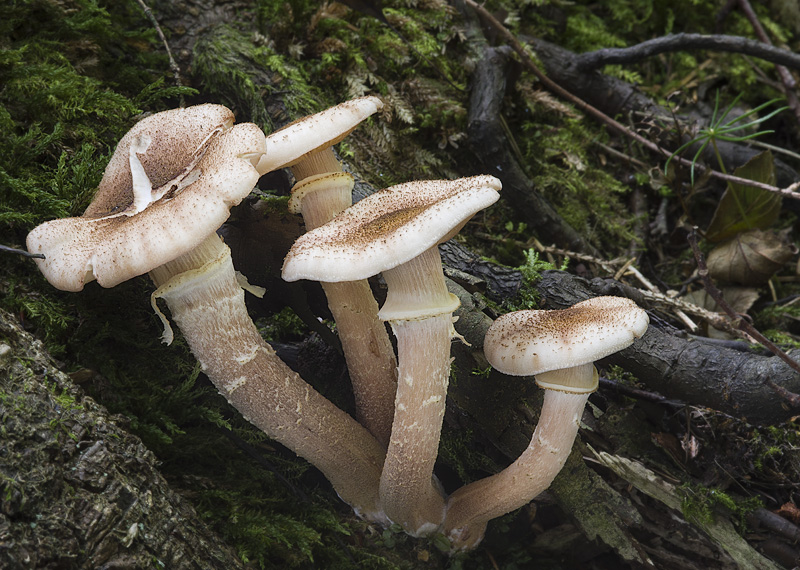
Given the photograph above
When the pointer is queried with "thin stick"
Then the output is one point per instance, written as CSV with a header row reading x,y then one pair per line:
x,y
527,61
6,249
653,289
176,70
681,42
743,324
787,79
625,390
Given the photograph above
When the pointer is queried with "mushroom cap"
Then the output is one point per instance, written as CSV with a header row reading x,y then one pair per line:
x,y
177,135
295,141
388,228
193,201
531,342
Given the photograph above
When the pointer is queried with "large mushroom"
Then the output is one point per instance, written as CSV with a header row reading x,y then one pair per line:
x,y
322,191
167,189
559,348
396,231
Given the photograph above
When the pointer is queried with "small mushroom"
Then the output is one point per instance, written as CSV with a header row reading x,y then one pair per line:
x,y
322,191
396,231
559,348
167,189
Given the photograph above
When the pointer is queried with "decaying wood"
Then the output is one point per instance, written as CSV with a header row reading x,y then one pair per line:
x,y
668,362
686,42
720,529
64,458
615,97
489,143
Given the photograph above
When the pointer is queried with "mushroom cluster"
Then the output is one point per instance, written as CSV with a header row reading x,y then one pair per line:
x,y
168,188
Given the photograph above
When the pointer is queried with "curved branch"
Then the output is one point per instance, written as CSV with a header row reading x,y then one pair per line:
x,y
553,87
684,42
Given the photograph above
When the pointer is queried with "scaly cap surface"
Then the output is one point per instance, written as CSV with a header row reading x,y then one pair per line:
x,y
525,343
194,172
388,228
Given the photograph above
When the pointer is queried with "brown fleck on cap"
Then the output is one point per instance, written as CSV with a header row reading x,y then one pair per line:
x,y
525,343
388,228
195,173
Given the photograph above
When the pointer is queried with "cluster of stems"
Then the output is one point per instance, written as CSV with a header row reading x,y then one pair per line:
x,y
382,462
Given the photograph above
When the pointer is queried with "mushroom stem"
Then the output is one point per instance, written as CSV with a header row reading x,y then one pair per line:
x,y
475,504
369,354
322,192
207,303
319,162
419,309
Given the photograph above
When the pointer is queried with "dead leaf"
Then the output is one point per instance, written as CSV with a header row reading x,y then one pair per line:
x,y
750,258
740,300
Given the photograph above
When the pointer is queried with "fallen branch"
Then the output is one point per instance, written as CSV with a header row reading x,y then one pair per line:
x,y
173,65
686,42
787,79
743,324
555,88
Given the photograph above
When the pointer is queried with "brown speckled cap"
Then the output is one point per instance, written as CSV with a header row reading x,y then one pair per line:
x,y
388,228
195,171
525,343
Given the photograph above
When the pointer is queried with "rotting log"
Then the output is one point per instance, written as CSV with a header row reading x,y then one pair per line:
x,y
76,489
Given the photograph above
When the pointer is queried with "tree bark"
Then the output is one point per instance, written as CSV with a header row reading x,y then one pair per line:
x,y
77,490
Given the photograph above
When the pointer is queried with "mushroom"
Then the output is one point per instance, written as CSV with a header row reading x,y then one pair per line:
x,y
396,231
322,191
559,348
167,189
306,144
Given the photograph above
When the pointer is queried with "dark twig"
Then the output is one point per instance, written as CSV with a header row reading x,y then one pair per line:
x,y
787,79
775,523
638,393
176,70
6,249
685,42
741,323
553,87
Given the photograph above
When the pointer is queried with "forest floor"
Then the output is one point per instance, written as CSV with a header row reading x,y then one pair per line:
x,y
614,163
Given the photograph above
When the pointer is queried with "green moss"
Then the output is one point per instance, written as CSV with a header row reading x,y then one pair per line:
x,y
528,296
564,170
62,111
700,503
281,326
242,71
774,448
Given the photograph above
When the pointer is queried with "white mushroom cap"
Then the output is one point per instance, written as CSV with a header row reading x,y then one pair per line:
x,y
303,137
202,172
177,136
388,228
525,343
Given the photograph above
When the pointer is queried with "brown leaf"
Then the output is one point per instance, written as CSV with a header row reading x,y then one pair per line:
x,y
750,258
740,300
790,512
